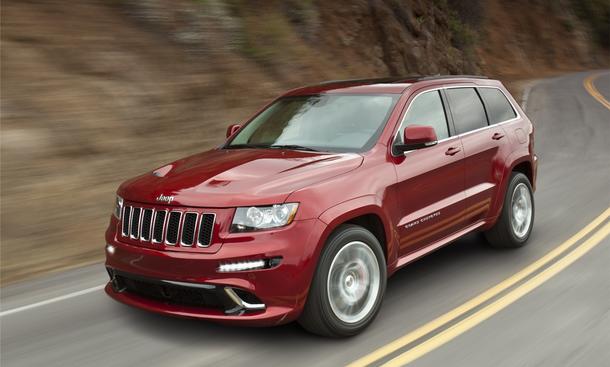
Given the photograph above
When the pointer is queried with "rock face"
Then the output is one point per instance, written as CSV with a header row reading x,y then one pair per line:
x,y
361,37
391,37
96,91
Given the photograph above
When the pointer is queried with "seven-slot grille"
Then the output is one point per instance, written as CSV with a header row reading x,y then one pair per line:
x,y
170,227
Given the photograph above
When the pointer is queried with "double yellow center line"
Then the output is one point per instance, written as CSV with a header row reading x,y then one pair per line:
x,y
554,258
446,335
590,87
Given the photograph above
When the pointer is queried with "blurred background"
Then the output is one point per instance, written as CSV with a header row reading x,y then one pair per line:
x,y
94,92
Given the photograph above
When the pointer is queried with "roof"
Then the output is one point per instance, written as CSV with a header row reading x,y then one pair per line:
x,y
392,85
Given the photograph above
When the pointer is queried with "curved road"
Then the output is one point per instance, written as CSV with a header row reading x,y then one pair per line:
x,y
435,312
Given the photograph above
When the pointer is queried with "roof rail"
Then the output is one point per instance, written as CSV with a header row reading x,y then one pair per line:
x,y
399,79
465,76
389,79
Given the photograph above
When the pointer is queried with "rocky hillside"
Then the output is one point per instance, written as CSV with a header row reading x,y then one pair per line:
x,y
96,91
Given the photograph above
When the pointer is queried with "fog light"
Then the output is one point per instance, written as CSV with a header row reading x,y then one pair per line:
x,y
110,249
249,265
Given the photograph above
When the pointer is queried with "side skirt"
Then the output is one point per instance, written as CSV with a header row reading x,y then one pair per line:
x,y
435,246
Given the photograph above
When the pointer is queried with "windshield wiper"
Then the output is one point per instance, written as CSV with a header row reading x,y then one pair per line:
x,y
245,146
293,147
273,146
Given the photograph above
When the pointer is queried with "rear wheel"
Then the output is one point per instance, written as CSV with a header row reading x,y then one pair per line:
x,y
348,286
514,226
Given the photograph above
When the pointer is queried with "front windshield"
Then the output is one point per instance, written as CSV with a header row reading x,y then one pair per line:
x,y
338,123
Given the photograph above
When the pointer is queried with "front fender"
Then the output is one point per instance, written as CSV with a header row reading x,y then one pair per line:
x,y
364,205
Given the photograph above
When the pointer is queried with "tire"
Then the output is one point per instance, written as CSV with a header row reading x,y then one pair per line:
x,y
503,234
351,254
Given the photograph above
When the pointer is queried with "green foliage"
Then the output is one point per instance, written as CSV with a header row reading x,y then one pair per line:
x,y
267,38
567,24
596,13
299,11
269,34
462,36
470,12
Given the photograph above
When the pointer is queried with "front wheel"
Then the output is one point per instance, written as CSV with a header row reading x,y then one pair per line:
x,y
348,286
514,226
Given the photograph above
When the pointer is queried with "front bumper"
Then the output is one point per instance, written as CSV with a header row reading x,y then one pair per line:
x,y
268,296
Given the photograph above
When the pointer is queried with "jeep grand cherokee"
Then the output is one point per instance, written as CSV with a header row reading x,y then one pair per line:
x,y
306,209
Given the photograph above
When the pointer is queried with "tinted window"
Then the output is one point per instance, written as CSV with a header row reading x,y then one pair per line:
x,y
342,123
498,107
427,109
467,109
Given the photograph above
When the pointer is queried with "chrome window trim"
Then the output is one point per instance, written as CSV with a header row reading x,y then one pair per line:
x,y
199,244
194,229
517,114
179,228
152,235
402,121
462,134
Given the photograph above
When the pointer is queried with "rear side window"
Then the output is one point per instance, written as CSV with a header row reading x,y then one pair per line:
x,y
467,109
427,109
498,107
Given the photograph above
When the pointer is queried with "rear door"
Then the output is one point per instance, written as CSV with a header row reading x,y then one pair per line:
x,y
484,147
430,186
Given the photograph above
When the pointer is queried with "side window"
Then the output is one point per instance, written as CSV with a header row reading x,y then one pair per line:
x,y
467,109
498,107
427,109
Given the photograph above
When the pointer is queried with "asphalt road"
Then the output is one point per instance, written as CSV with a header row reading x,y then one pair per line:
x,y
564,321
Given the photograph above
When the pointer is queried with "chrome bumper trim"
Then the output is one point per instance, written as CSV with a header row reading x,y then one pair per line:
x,y
241,303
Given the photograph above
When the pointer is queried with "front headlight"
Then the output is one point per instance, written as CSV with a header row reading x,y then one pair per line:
x,y
256,218
118,207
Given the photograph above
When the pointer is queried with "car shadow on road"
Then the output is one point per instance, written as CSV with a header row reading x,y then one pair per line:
x,y
415,287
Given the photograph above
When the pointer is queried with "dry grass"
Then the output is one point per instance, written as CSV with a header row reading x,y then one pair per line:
x,y
92,96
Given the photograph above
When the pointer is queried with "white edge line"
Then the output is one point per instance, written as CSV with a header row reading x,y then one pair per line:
x,y
526,94
52,300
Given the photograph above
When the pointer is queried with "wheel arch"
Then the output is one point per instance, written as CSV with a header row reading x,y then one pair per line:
x,y
364,211
526,167
522,164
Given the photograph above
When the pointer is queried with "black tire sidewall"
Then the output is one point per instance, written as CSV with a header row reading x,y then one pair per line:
x,y
335,243
516,179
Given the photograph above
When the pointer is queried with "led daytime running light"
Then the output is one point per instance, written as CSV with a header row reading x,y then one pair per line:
x,y
249,265
241,266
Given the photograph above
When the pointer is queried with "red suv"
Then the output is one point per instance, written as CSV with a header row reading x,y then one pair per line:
x,y
306,209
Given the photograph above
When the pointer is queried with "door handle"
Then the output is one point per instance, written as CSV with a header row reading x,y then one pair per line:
x,y
497,136
452,151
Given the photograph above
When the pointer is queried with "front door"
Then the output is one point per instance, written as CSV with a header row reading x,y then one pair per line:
x,y
430,185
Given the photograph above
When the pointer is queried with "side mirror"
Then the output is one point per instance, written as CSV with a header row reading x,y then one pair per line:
x,y
232,129
417,137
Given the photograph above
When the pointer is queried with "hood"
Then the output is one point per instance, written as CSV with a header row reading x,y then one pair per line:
x,y
237,177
